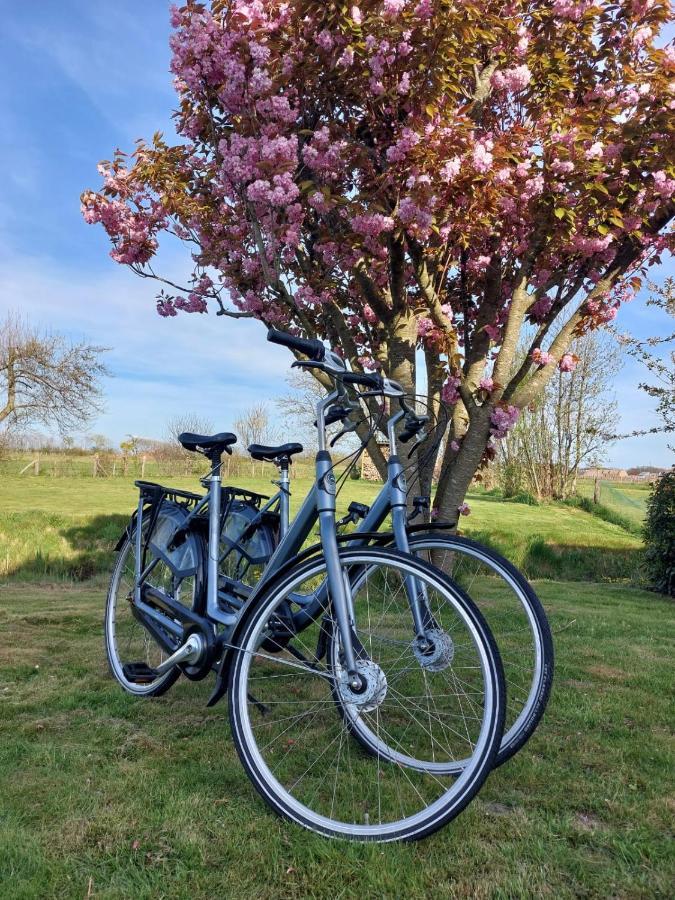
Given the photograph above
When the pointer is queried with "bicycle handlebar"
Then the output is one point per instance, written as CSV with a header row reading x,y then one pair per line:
x,y
373,381
313,349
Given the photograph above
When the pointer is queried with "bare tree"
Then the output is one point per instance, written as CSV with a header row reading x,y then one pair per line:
x,y
99,443
568,427
187,422
660,365
298,412
298,407
253,426
170,454
45,378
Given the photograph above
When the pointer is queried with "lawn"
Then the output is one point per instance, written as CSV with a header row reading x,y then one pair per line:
x,y
66,527
628,499
107,796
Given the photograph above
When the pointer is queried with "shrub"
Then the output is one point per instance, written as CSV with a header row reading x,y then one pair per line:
x,y
524,497
659,534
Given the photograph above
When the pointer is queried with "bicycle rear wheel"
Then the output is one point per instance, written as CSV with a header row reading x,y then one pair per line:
x,y
517,621
126,640
286,694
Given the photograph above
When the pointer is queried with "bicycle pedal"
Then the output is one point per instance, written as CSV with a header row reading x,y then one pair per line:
x,y
139,673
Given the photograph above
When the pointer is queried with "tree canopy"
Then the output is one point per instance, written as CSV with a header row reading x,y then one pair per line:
x,y
397,176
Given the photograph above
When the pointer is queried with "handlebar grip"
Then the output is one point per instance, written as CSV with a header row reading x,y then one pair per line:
x,y
373,381
311,348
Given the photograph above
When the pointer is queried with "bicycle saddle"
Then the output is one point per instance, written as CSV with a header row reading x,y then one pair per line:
x,y
207,444
271,454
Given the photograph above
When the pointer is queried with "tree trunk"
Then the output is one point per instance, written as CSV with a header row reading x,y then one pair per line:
x,y
458,469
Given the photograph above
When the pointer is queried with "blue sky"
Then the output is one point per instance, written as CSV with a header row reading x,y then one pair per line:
x,y
77,79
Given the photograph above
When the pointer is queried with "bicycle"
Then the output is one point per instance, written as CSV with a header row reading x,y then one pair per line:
x,y
512,609
316,635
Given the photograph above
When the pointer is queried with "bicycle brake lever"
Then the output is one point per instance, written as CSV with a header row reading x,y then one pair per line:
x,y
350,426
371,394
420,440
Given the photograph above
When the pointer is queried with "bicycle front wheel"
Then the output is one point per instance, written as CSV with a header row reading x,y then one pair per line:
x,y
289,693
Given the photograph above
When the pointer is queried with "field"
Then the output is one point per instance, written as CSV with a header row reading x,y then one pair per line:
x,y
109,797
628,499
104,796
65,527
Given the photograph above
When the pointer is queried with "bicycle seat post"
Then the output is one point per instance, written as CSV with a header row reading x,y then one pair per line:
x,y
284,485
215,492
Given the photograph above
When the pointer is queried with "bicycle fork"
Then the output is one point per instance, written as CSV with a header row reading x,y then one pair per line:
x,y
339,587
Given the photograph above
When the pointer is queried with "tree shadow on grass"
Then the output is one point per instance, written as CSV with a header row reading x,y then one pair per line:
x,y
538,558
91,547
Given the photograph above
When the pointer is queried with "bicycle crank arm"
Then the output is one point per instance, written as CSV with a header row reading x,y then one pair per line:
x,y
191,652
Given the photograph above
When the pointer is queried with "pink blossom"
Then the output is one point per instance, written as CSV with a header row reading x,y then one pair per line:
x,y
393,7
318,202
415,218
533,187
325,40
454,446
642,35
515,79
562,166
400,149
165,307
404,83
595,151
486,384
464,509
372,225
493,332
424,9
541,357
568,362
570,9
502,421
664,186
347,57
541,308
424,327
589,246
356,15
482,157
450,169
449,392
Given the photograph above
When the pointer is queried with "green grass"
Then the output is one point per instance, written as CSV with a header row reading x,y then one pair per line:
x,y
106,796
66,528
627,499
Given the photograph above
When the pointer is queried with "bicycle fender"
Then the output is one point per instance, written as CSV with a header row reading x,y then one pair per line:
x,y
126,534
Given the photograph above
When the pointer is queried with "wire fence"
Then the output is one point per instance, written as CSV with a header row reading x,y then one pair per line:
x,y
33,464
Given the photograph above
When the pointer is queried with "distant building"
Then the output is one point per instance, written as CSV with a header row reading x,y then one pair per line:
x,y
609,474
605,474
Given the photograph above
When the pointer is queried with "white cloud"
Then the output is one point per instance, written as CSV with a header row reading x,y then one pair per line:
x,y
205,364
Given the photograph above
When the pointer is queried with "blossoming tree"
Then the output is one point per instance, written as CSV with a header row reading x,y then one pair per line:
x,y
421,182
